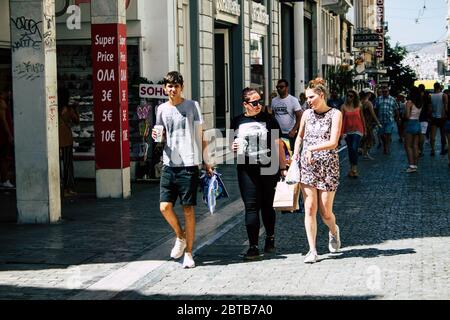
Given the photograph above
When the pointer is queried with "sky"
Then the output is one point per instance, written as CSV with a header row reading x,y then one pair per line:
x,y
409,23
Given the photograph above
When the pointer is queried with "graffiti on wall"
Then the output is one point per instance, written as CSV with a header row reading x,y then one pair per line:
x,y
30,33
28,70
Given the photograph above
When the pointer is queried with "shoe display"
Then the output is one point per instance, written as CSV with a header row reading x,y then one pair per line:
x,y
269,246
311,257
334,242
188,261
178,248
85,134
252,254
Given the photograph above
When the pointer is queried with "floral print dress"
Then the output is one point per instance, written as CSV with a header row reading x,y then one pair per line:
x,y
324,173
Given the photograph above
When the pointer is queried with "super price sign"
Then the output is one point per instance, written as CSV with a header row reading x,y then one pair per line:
x,y
110,96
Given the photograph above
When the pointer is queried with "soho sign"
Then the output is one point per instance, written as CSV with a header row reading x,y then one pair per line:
x,y
228,6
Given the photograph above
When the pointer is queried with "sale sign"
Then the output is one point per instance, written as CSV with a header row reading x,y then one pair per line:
x,y
110,74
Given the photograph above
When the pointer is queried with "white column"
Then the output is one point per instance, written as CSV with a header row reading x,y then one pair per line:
x,y
112,145
299,34
35,111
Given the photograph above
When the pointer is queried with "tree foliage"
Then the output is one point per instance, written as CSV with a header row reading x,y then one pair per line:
x,y
401,77
340,79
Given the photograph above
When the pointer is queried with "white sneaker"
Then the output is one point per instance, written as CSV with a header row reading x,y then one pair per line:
x,y
334,243
311,257
178,249
188,262
7,184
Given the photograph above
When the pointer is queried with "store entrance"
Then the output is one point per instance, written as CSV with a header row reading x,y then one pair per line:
x,y
222,79
7,158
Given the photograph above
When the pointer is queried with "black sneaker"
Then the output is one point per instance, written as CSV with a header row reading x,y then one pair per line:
x,y
252,254
269,247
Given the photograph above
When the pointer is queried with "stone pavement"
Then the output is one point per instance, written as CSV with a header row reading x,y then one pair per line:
x,y
395,230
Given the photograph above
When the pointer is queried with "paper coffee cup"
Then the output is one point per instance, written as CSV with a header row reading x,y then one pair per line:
x,y
159,133
242,145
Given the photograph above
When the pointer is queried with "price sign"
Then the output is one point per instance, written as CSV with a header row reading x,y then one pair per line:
x,y
110,73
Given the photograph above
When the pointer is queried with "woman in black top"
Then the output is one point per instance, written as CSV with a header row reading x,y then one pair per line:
x,y
256,136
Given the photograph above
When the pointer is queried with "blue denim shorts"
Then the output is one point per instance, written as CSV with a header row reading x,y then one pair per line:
x,y
413,127
387,128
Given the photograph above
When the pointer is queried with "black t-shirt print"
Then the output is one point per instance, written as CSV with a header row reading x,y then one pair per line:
x,y
257,132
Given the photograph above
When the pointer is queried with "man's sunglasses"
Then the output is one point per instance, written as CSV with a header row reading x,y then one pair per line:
x,y
255,103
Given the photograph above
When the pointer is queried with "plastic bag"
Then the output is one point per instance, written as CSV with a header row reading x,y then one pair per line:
x,y
213,189
293,174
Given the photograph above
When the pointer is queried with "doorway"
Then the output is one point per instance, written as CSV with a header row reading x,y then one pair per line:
x,y
222,79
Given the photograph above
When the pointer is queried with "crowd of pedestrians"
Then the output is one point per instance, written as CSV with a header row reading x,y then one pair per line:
x,y
312,126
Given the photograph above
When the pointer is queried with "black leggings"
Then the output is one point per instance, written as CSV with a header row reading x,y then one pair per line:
x,y
67,159
257,192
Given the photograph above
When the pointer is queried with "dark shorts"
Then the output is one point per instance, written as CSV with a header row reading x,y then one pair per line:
x,y
438,122
6,151
413,127
180,183
447,127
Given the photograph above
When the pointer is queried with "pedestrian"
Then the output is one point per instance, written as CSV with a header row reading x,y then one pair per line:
x,y
254,134
371,122
353,129
401,119
439,103
319,134
424,117
447,131
6,138
303,102
413,129
335,101
287,111
181,122
68,117
388,112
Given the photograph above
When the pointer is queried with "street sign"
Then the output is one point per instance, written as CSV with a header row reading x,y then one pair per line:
x,y
366,40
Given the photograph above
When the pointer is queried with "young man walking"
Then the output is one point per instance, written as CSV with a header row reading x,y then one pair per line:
x,y
288,112
388,112
180,121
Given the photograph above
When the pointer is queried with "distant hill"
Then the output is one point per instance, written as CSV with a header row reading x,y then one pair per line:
x,y
427,48
423,59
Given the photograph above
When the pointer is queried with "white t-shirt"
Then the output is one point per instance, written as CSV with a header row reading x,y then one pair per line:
x,y
183,147
284,111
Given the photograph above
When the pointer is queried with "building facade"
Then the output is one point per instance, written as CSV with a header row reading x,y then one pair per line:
x,y
220,46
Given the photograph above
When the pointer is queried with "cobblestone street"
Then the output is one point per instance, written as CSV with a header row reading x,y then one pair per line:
x,y
395,230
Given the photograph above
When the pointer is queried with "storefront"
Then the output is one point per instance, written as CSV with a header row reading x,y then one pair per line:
x,y
288,44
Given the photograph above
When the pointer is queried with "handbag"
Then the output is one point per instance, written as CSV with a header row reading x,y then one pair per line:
x,y
286,196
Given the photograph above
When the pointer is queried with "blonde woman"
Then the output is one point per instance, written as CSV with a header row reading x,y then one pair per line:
x,y
319,133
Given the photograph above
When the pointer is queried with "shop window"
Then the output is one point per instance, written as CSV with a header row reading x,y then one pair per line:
x,y
75,74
